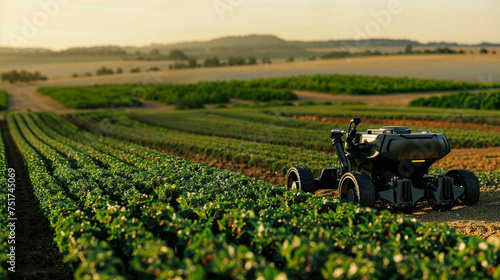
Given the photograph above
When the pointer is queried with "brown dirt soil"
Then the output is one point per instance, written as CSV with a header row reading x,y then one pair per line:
x,y
477,160
37,257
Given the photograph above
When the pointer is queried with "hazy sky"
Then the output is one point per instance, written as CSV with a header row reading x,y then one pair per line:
x,y
60,24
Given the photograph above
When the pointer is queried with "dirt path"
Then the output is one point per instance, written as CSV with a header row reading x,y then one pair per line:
x,y
37,256
26,98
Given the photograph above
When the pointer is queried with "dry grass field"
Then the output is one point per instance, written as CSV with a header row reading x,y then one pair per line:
x,y
472,68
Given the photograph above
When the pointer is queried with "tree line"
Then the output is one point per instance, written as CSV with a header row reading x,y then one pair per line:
x,y
23,76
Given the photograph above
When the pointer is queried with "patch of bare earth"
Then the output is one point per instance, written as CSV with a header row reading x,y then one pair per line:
x,y
477,160
482,219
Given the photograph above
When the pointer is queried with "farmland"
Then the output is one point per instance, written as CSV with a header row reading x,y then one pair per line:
x,y
119,209
134,193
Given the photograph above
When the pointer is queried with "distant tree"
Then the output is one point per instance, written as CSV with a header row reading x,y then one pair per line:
x,y
232,61
153,68
192,63
445,50
75,75
212,62
14,76
331,55
266,60
104,71
494,52
88,74
311,58
155,52
290,59
461,51
409,49
483,51
119,70
252,60
135,70
177,55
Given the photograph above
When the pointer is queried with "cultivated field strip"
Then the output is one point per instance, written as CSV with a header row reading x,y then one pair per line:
x,y
273,157
272,127
119,210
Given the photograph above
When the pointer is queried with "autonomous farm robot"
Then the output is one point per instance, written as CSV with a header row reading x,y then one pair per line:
x,y
389,166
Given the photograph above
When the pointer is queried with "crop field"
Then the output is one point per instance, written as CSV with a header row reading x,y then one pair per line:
x,y
257,90
120,210
184,96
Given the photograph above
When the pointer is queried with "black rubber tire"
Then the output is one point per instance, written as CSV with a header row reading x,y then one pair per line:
x,y
467,180
303,178
362,187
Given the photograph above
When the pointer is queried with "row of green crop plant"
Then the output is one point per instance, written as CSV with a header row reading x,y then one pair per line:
x,y
90,97
451,115
466,100
203,223
264,156
272,127
4,198
225,125
183,96
86,251
356,84
3,100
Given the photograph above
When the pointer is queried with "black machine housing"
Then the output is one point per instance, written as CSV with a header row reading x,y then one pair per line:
x,y
390,165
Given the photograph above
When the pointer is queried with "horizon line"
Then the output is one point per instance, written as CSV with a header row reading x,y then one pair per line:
x,y
253,34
